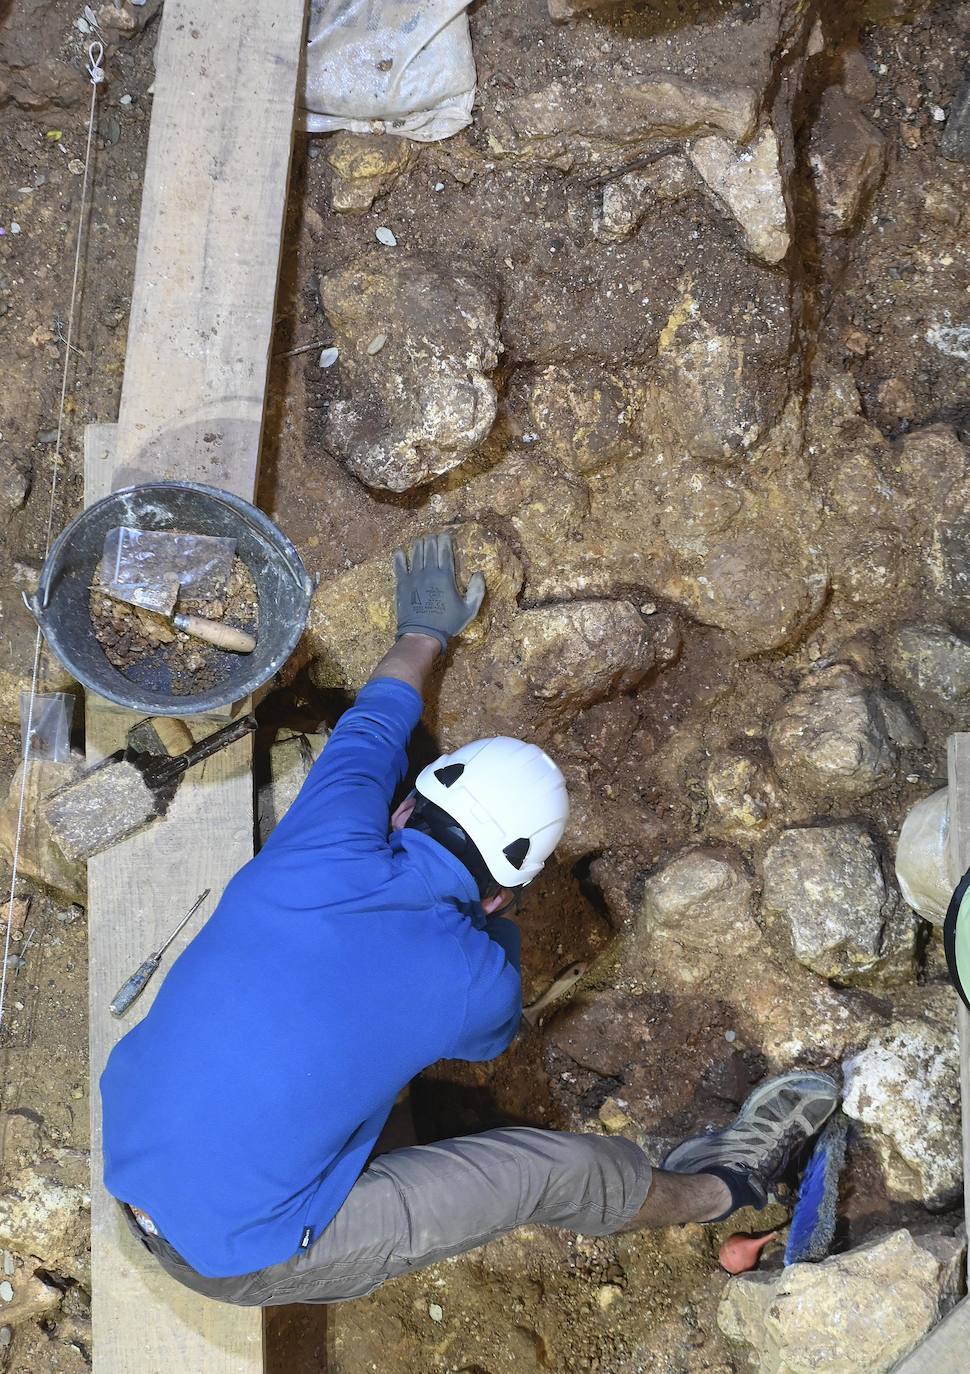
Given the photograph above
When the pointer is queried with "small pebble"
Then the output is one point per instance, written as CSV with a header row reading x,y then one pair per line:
x,y
6,1335
376,344
77,1094
439,186
47,436
730,1036
14,227
435,1312
385,236
938,113
125,100
76,167
9,1266
329,356
607,1294
6,1291
648,608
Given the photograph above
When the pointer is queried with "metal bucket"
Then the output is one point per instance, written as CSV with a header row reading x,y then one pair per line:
x,y
61,603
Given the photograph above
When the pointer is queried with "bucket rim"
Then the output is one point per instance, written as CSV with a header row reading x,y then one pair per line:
x,y
215,699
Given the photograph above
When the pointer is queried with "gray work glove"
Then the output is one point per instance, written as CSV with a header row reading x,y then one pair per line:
x,y
428,599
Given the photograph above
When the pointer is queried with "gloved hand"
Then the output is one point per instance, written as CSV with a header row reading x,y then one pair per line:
x,y
428,599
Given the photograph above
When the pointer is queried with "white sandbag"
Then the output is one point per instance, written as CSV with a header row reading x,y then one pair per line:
x,y
921,866
389,66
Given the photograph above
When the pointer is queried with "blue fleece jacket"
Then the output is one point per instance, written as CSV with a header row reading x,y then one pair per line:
x,y
339,963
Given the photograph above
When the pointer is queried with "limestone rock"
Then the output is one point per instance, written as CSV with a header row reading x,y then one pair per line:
x,y
18,633
839,734
949,557
827,883
929,659
748,180
353,619
854,1313
32,1298
727,378
635,109
14,484
904,1089
741,792
574,653
761,592
927,463
420,402
581,418
847,155
561,10
44,1211
290,760
955,143
627,200
365,167
694,907
40,857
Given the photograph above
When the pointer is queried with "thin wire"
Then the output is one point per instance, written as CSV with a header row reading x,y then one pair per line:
x,y
96,74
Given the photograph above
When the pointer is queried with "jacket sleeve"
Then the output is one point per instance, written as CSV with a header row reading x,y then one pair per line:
x,y
346,799
493,1005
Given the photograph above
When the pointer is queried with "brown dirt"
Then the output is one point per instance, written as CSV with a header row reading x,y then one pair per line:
x,y
147,649
536,1301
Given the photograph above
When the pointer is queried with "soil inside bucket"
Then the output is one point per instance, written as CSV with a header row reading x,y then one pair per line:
x,y
151,652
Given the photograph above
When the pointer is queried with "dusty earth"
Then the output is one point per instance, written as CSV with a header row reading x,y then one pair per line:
x,y
699,413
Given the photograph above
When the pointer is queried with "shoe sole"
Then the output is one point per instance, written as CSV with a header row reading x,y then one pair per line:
x,y
755,1099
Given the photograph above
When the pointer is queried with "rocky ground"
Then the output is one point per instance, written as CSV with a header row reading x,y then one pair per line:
x,y
675,336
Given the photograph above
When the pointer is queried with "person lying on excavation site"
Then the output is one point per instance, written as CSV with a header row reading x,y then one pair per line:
x,y
242,1116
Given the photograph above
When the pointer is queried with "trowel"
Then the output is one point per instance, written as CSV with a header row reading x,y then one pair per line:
x,y
151,569
124,793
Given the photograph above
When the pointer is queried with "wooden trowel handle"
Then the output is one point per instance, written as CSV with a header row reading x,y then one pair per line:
x,y
214,632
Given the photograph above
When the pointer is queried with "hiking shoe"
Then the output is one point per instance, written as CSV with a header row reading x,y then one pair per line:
x,y
776,1122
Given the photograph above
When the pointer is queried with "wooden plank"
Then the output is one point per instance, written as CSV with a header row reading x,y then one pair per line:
x,y
945,1350
204,293
191,407
143,1321
100,447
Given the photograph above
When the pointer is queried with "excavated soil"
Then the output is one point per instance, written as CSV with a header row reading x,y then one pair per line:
x,y
854,355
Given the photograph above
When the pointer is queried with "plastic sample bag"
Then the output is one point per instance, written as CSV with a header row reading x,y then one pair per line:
x,y
45,726
389,66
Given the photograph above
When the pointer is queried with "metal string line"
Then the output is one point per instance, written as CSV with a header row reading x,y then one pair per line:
x,y
95,71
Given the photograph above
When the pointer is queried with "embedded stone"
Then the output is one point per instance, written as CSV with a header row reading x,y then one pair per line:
x,y
747,179
422,403
904,1090
827,883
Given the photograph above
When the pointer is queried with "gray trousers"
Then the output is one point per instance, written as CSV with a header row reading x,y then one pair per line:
x,y
413,1207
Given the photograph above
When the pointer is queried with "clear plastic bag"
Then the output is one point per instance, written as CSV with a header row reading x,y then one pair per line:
x,y
389,66
921,858
45,731
196,564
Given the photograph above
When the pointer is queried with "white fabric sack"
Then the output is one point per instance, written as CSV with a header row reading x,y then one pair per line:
x,y
921,858
389,66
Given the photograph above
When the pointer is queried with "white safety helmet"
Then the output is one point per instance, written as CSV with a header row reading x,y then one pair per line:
x,y
510,799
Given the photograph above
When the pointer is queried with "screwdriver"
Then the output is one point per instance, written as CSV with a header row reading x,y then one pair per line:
x,y
134,986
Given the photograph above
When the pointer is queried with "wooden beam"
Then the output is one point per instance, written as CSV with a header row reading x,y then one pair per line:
x,y
191,407
143,1321
204,295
